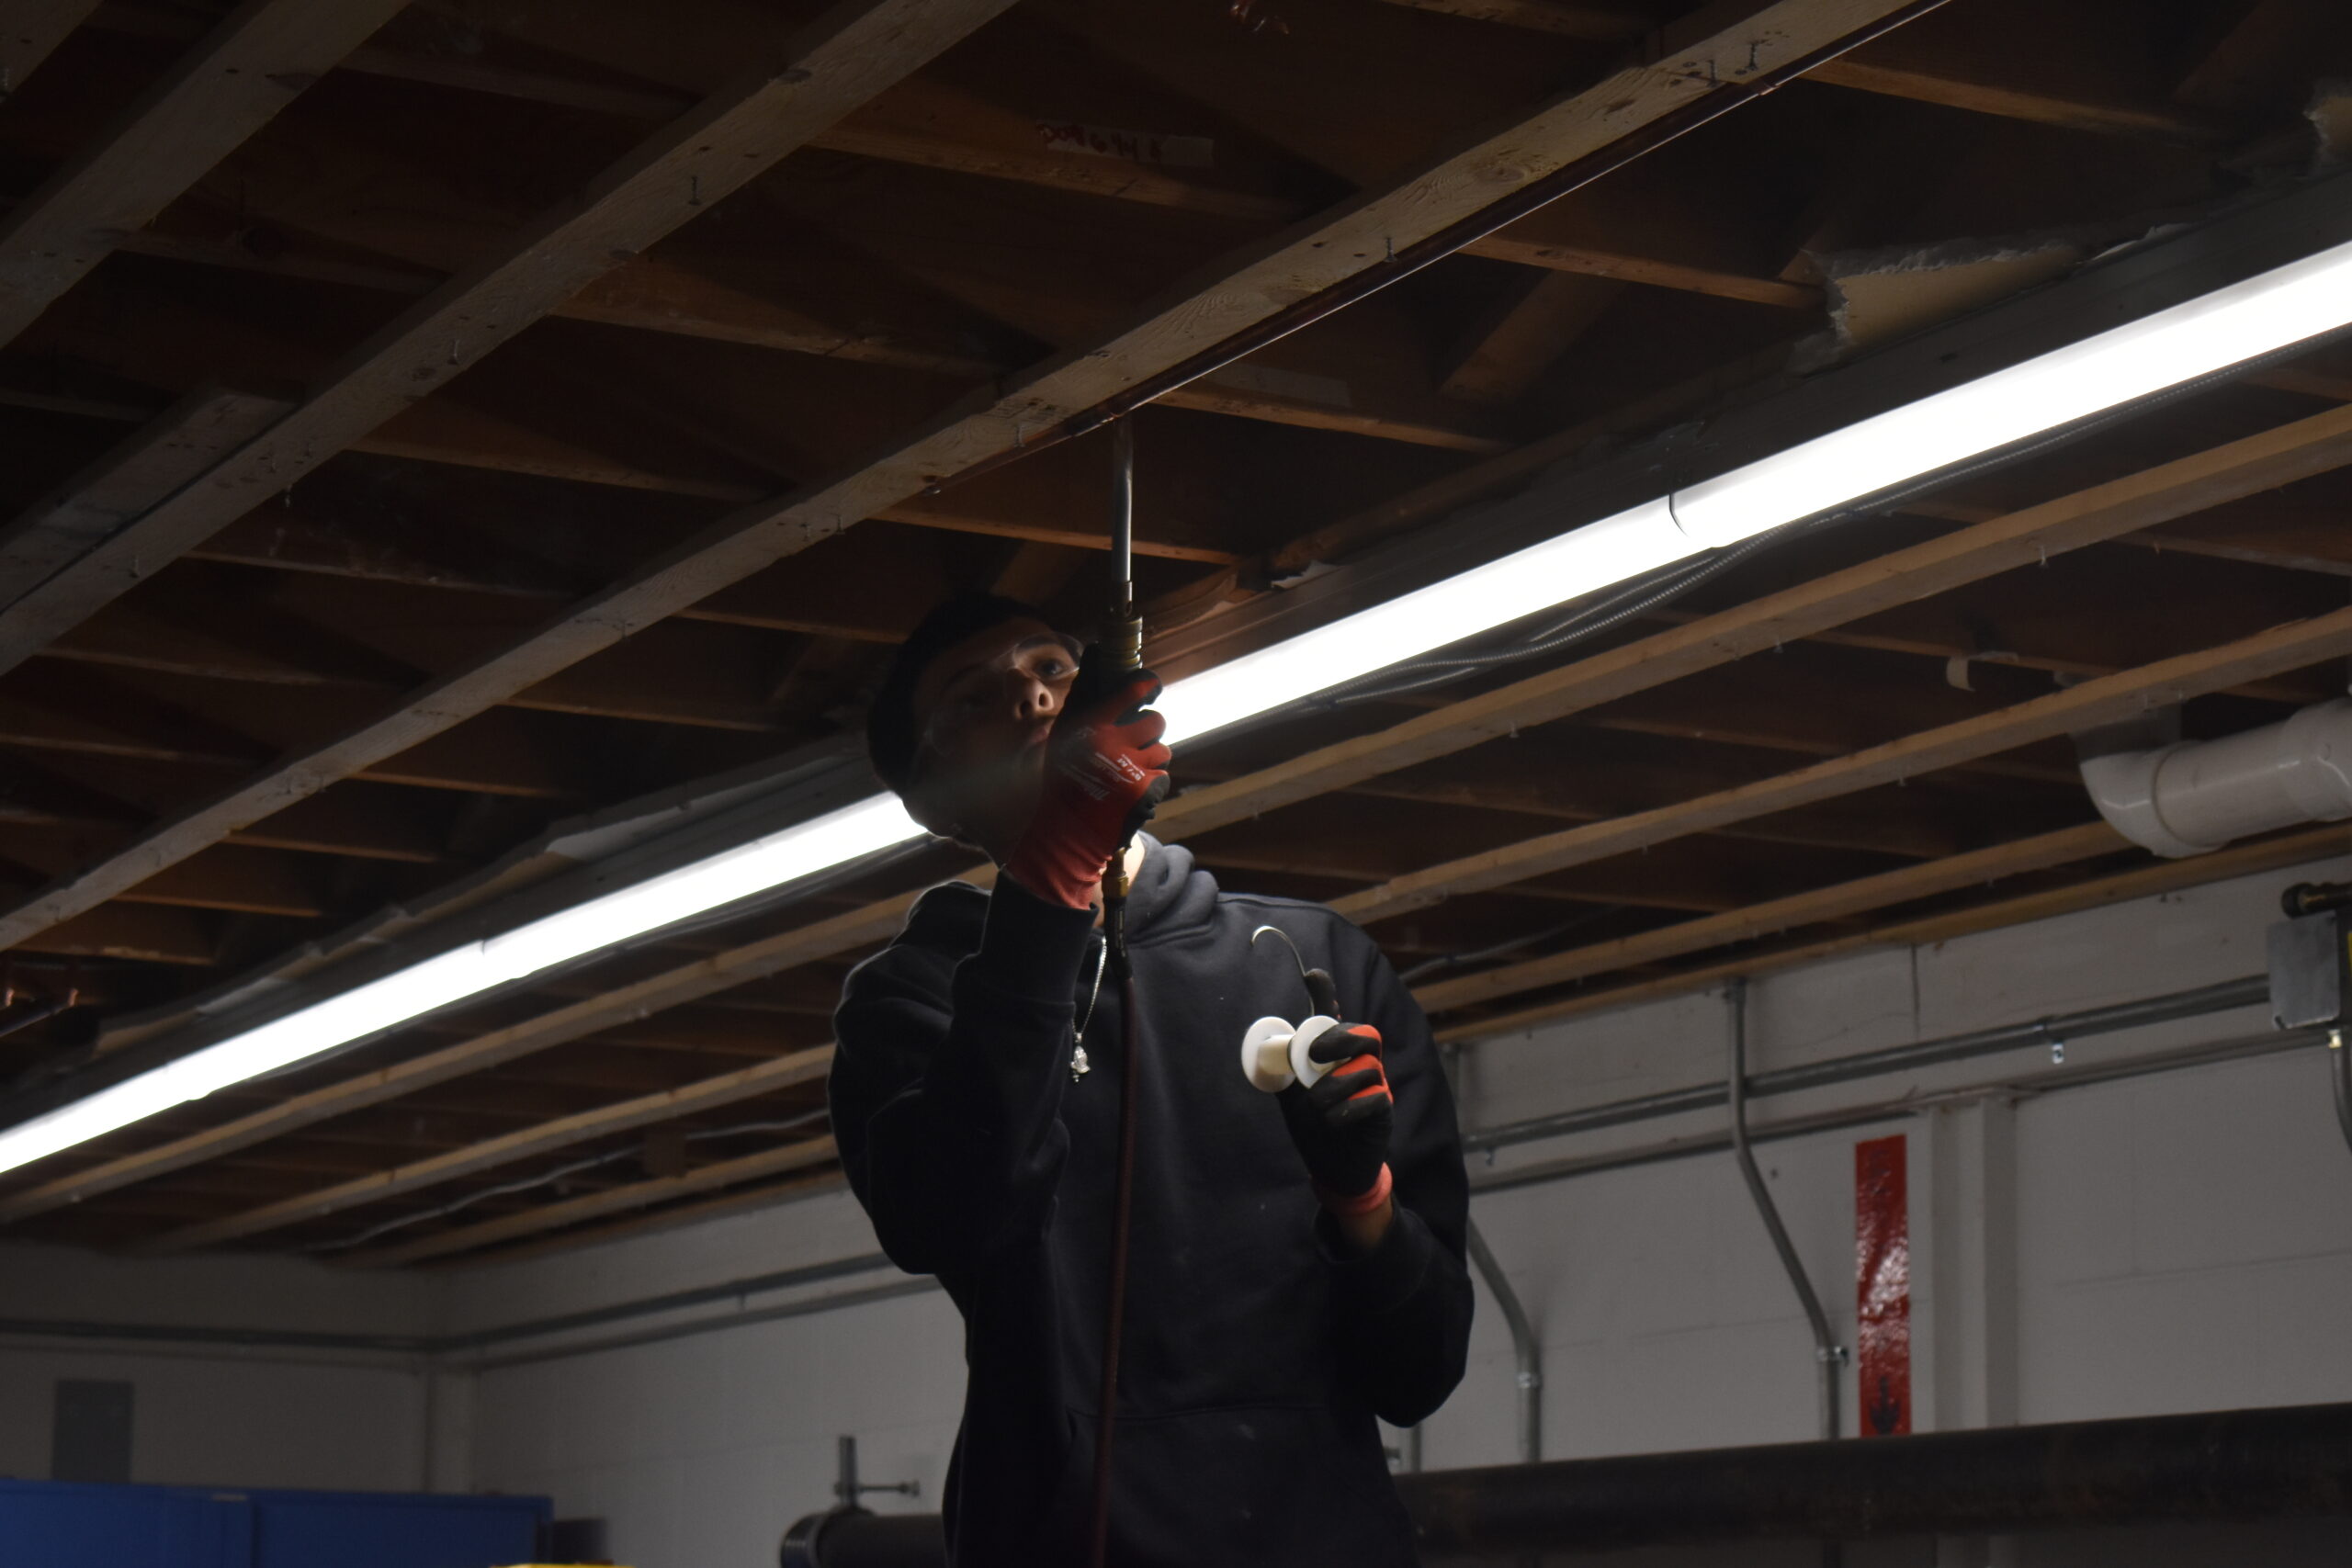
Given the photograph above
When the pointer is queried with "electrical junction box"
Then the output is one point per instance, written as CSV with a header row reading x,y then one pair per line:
x,y
2311,971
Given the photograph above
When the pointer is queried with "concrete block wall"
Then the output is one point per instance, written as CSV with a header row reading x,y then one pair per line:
x,y
223,1414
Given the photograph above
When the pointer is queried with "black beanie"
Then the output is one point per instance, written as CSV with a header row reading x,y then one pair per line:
x,y
890,736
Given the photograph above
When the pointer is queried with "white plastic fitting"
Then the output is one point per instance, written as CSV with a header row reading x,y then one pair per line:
x,y
2193,796
1274,1052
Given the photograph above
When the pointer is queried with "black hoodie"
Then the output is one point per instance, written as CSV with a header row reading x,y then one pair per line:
x,y
1256,1350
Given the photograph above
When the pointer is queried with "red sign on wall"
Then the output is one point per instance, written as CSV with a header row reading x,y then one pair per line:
x,y
1883,1285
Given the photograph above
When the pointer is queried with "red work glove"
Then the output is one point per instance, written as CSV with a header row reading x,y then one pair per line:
x,y
1341,1123
1105,771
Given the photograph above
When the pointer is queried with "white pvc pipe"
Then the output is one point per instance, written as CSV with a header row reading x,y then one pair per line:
x,y
2193,796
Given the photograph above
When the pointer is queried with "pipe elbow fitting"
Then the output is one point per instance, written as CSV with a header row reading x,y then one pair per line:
x,y
2193,796
2122,785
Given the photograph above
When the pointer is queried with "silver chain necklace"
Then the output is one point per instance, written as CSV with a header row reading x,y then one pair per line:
x,y
1078,1066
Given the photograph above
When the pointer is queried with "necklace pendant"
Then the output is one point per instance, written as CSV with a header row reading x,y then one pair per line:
x,y
1078,1066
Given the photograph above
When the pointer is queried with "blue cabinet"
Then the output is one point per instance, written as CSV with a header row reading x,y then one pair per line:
x,y
57,1525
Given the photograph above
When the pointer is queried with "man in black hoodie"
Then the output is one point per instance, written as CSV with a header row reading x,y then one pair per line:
x,y
1297,1259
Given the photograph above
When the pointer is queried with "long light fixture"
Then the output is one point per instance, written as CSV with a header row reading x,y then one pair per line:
x,y
2168,348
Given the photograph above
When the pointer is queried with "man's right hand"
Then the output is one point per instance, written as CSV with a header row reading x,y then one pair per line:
x,y
1105,772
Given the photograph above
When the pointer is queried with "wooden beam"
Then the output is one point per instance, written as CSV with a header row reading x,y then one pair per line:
x,y
738,133
1429,503
2076,708
792,1190
2266,60
235,878
1301,262
30,31
1926,79
1505,352
872,923
232,83
727,1088
1947,60
1569,18
2145,882
1774,916
103,499
2276,457
1562,241
929,123
1376,94
596,1205
143,933
2261,462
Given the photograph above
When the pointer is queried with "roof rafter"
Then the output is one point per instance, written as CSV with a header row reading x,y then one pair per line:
x,y
2142,882
2071,710
619,1200
727,1088
1303,261
30,33
666,181
235,80
2275,457
2257,463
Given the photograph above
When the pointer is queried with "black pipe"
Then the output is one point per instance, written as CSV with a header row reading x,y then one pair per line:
x,y
2244,1464
849,1537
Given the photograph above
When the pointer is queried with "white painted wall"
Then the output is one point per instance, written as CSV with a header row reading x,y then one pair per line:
x,y
2171,1242
2167,1243
221,1414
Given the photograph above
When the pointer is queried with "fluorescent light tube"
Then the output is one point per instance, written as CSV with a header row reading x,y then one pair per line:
x,y
2212,333
2229,325
875,823
1567,567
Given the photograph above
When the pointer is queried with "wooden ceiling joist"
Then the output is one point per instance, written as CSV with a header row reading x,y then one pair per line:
x,y
1927,68
2275,457
30,31
581,572
671,988
666,181
1359,236
1503,355
728,1089
2300,848
766,1195
2071,710
231,83
2257,463
1774,916
620,1200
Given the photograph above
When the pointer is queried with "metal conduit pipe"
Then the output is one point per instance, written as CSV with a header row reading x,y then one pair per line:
x,y
2246,1464
2340,1059
1826,1348
2226,996
1525,1347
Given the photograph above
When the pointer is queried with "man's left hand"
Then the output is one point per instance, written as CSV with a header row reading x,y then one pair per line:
x,y
1341,1123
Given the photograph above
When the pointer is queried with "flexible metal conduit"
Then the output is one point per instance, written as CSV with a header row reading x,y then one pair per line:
x,y
1526,1347
1826,1348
